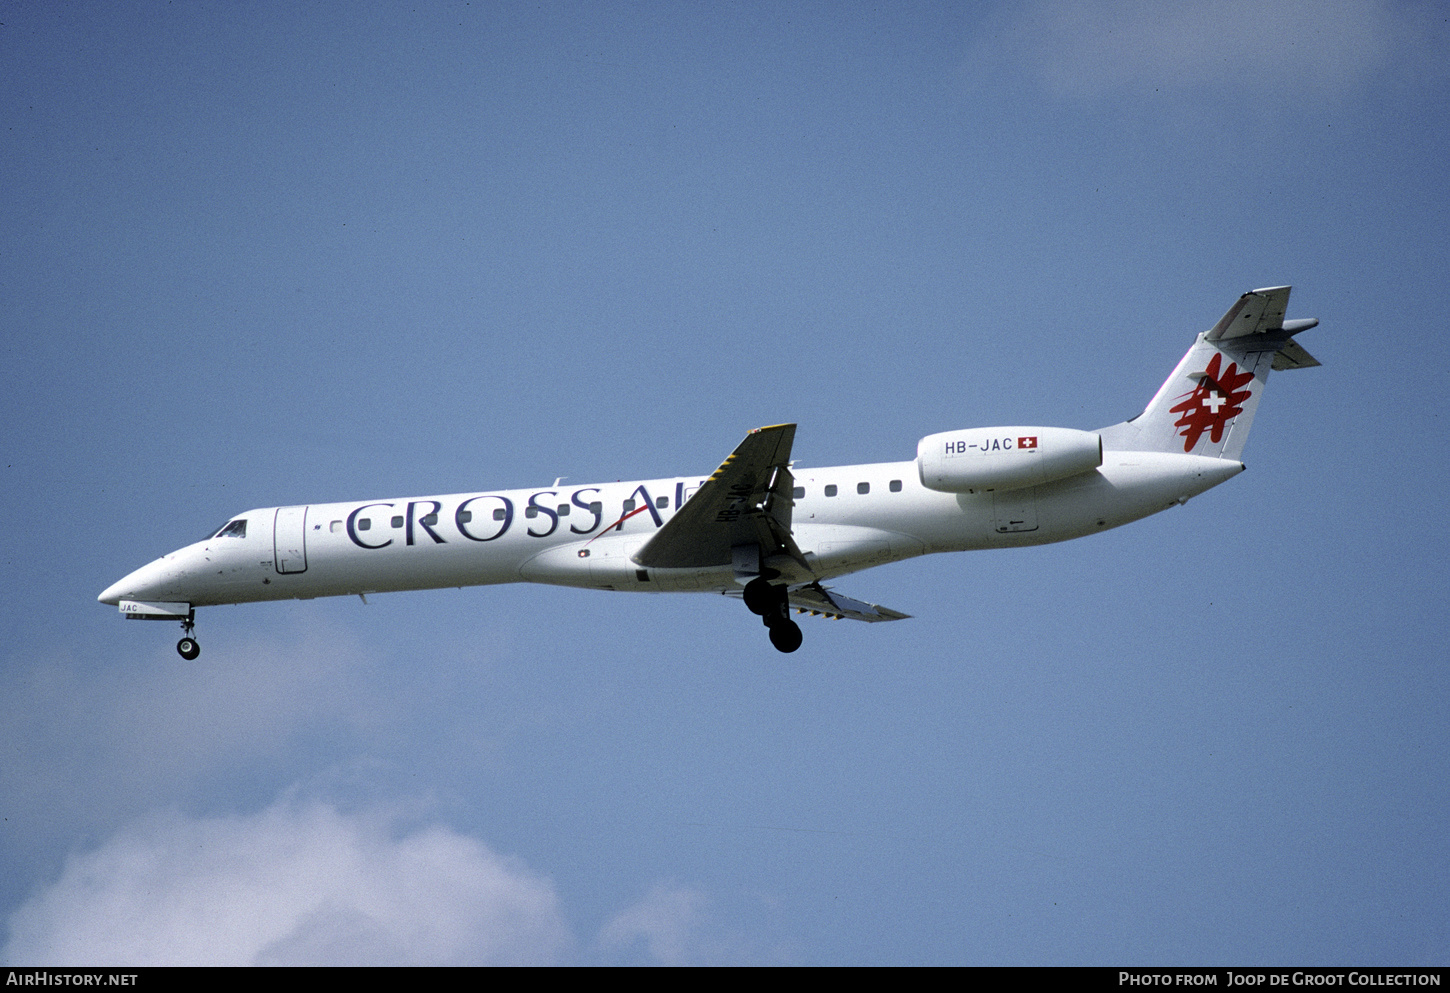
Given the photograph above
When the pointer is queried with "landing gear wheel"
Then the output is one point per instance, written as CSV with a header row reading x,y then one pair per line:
x,y
760,596
786,636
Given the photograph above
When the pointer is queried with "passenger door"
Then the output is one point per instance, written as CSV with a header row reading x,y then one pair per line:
x,y
289,539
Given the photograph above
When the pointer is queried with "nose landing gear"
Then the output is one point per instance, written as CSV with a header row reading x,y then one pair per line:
x,y
772,603
187,647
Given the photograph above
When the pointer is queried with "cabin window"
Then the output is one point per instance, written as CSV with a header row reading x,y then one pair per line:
x,y
863,487
531,511
563,510
364,523
896,486
464,516
398,521
596,507
798,492
498,514
429,520
629,505
831,489
234,529
336,527
662,502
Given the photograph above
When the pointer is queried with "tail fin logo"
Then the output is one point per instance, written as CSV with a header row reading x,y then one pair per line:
x,y
1214,402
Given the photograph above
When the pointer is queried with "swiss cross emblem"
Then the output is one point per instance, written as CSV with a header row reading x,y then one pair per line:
x,y
1217,399
1027,443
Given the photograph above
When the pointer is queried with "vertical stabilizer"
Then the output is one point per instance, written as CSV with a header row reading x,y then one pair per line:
x,y
1207,405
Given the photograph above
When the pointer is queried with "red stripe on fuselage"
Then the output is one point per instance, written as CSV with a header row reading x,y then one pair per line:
x,y
616,524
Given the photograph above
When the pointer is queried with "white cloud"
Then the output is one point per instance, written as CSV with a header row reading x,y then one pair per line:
x,y
94,742
296,884
666,920
1088,47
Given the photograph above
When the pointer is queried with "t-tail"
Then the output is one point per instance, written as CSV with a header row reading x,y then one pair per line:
x,y
1207,405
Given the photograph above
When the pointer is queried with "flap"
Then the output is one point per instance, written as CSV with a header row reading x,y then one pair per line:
x,y
819,600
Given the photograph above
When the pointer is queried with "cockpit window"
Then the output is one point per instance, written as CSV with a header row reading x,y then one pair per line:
x,y
234,529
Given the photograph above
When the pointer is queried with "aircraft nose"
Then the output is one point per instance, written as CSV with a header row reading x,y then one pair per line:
x,y
150,582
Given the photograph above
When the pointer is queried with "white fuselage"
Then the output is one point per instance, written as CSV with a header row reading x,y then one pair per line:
x,y
574,535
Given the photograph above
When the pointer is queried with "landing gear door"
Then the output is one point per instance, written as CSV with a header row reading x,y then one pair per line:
x,y
289,539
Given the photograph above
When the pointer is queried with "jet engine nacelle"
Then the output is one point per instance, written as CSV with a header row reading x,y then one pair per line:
x,y
984,459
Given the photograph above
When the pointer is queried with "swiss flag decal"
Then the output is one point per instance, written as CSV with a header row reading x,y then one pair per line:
x,y
1028,443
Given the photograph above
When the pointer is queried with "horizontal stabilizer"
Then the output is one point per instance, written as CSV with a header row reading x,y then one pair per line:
x,y
1293,356
1256,312
1259,316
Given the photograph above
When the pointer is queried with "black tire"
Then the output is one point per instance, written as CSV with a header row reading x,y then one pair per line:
x,y
188,649
786,636
760,596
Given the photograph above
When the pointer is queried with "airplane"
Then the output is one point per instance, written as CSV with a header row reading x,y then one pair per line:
x,y
758,528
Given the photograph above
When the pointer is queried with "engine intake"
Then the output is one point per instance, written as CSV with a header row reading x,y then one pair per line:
x,y
981,460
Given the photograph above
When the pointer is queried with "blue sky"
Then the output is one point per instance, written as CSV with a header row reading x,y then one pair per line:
x,y
264,254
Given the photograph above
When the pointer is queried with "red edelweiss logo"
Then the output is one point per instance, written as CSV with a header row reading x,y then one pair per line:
x,y
1214,403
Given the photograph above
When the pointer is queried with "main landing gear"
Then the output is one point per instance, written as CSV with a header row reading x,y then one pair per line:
x,y
187,647
772,603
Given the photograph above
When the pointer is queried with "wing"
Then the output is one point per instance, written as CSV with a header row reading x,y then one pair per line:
x,y
746,502
819,600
